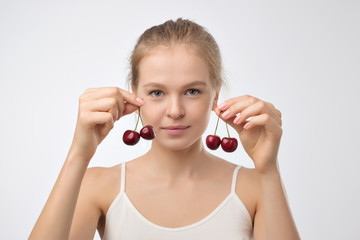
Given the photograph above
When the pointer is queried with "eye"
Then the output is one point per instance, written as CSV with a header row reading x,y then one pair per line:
x,y
156,93
192,92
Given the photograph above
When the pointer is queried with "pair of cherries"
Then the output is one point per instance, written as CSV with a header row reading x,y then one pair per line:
x,y
228,144
132,137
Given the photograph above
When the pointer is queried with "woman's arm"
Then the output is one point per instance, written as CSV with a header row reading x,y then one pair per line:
x,y
258,124
99,108
56,217
273,219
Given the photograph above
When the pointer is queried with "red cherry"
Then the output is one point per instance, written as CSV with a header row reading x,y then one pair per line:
x,y
213,142
229,144
131,137
147,132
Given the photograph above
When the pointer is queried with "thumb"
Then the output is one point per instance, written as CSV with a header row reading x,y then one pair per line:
x,y
129,108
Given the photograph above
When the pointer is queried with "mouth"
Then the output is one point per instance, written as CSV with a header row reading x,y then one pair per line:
x,y
175,130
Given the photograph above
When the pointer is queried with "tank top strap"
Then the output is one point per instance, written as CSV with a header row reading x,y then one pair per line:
x,y
233,183
122,184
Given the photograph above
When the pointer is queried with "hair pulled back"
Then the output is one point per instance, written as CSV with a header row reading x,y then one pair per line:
x,y
173,33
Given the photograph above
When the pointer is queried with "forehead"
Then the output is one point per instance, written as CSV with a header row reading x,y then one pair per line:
x,y
173,65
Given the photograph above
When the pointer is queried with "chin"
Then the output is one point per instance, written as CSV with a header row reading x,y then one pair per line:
x,y
178,144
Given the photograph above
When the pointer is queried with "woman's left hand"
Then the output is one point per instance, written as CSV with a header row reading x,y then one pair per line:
x,y
260,135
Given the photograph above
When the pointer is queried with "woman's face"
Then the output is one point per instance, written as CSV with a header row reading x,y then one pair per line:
x,y
179,96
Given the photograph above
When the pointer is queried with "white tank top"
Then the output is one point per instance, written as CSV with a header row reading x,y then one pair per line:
x,y
230,220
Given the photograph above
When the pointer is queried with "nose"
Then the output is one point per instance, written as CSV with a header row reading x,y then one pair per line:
x,y
175,108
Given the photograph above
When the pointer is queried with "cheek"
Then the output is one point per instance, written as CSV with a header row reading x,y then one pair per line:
x,y
200,110
152,113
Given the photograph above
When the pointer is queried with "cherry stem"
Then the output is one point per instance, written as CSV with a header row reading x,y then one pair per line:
x,y
217,123
227,129
142,123
137,122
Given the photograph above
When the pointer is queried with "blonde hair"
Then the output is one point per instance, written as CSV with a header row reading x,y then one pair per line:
x,y
178,32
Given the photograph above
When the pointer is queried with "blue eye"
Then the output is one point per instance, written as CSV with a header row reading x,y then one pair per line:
x,y
193,92
156,93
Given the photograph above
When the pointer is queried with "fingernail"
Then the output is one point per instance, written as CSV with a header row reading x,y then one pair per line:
x,y
221,106
246,125
140,100
237,119
225,113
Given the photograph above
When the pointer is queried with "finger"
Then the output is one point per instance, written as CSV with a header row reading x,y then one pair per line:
x,y
278,112
110,105
123,98
108,125
105,92
129,108
132,98
247,99
131,102
97,93
233,106
257,109
91,119
264,120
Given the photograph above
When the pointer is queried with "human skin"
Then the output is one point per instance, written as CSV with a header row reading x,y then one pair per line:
x,y
80,198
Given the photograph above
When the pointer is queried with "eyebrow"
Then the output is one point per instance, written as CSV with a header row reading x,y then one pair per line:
x,y
156,84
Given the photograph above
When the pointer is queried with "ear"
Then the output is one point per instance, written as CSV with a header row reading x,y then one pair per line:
x,y
133,88
133,91
216,98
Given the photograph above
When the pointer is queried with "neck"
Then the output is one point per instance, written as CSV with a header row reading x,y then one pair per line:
x,y
177,164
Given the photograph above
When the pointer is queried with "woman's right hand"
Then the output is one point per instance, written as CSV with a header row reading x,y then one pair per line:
x,y
99,109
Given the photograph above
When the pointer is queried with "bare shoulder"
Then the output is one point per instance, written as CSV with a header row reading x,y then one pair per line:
x,y
102,184
102,175
98,189
249,177
248,188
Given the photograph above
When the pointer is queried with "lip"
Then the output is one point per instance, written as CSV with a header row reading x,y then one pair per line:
x,y
175,130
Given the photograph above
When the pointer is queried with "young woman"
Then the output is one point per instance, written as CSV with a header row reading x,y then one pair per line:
x,y
177,190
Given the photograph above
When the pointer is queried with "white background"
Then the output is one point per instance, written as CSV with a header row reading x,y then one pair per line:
x,y
303,56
